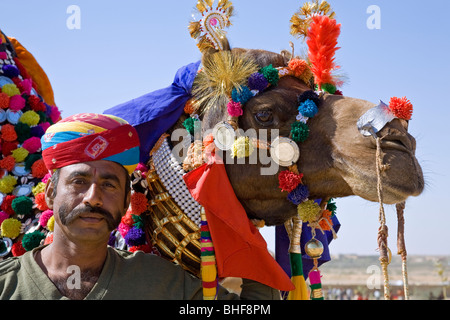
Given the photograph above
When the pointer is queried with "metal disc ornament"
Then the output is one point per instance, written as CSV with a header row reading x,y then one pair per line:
x,y
375,119
13,116
7,248
224,135
284,151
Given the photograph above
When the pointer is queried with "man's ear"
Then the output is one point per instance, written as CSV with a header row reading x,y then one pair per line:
x,y
49,188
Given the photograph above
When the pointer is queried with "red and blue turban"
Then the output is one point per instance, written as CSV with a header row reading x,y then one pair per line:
x,y
88,137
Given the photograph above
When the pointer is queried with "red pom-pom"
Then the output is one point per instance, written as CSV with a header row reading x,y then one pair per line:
x,y
127,219
326,223
139,203
39,199
402,108
297,66
143,247
8,147
38,169
49,239
8,132
8,163
7,204
4,100
36,104
17,249
289,180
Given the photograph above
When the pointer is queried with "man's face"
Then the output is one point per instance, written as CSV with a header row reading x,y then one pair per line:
x,y
90,199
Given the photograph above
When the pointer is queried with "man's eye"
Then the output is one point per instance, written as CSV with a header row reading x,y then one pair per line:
x,y
264,117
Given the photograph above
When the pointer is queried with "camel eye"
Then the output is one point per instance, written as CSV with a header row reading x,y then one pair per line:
x,y
264,117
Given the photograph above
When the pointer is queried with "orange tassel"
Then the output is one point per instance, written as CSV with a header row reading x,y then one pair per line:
x,y
322,44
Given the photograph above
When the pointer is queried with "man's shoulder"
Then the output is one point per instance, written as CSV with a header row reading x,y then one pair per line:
x,y
8,266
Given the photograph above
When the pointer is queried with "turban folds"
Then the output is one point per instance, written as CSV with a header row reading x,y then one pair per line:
x,y
89,137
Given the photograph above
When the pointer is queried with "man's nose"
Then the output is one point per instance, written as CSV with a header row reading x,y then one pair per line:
x,y
93,196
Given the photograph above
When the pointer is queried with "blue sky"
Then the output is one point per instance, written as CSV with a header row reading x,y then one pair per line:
x,y
126,49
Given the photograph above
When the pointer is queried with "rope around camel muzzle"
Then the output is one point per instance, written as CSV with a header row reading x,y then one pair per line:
x,y
385,253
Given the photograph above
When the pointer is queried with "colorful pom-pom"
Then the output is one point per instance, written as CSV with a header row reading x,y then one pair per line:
x,y
10,89
190,106
135,237
22,205
23,131
297,66
123,229
17,249
41,204
45,216
325,222
257,81
242,148
8,132
299,194
3,216
32,144
234,109
55,114
271,74
6,204
143,247
20,154
299,131
242,95
51,223
329,87
17,103
10,228
402,108
308,211
139,203
189,124
7,184
289,180
32,240
38,169
30,117
4,100
49,238
10,70
36,104
8,163
308,109
8,147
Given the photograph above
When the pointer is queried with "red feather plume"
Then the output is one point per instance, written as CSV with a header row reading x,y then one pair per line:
x,y
323,35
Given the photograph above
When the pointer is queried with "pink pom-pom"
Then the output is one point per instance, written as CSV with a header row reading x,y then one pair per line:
x,y
25,86
235,109
123,229
142,167
46,177
44,125
55,114
45,216
3,55
16,103
32,144
3,216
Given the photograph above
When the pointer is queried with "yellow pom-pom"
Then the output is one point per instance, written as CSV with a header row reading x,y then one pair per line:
x,y
308,211
30,117
242,148
7,184
20,154
10,228
51,223
10,89
40,187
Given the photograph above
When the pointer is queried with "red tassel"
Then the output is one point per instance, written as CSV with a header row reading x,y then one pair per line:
x,y
322,39
402,108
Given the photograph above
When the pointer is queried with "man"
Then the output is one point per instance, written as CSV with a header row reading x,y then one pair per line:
x,y
92,156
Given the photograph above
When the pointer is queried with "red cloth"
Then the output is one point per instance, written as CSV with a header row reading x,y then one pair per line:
x,y
240,249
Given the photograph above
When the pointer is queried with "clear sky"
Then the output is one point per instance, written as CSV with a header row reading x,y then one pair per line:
x,y
126,49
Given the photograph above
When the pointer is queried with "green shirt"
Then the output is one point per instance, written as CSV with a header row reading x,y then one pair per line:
x,y
124,275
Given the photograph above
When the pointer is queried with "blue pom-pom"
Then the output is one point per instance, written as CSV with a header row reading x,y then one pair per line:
x,y
308,109
135,237
10,71
299,194
257,82
242,95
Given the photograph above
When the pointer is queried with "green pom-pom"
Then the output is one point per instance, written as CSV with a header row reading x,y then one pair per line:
x,y
23,131
138,222
299,131
271,74
189,124
22,205
331,206
328,87
32,240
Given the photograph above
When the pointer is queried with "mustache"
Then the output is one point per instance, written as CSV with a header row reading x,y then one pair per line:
x,y
67,217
